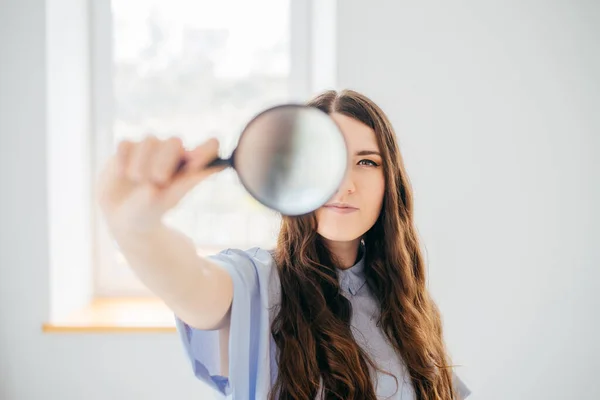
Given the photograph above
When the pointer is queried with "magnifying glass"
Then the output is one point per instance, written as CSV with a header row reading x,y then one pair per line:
x,y
291,158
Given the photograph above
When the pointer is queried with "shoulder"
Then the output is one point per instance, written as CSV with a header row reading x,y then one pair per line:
x,y
254,265
253,272
261,257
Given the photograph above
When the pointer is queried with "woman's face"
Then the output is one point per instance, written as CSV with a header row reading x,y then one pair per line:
x,y
353,210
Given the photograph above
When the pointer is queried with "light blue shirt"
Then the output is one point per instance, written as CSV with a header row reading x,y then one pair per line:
x,y
252,350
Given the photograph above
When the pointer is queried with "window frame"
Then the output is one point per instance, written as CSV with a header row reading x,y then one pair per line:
x,y
312,41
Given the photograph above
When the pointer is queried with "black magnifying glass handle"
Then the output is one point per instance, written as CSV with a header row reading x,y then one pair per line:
x,y
217,162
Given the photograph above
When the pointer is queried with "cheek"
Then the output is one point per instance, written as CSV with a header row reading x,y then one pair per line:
x,y
372,193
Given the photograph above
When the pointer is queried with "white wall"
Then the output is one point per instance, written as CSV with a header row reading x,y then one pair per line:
x,y
496,108
33,365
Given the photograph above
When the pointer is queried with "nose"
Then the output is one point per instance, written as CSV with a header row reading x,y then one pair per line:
x,y
347,186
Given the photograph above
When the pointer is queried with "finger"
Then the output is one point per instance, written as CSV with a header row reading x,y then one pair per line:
x,y
122,156
138,169
166,160
106,184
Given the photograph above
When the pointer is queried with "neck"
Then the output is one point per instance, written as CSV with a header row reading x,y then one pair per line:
x,y
345,252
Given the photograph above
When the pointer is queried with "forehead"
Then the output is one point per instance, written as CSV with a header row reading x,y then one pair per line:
x,y
358,135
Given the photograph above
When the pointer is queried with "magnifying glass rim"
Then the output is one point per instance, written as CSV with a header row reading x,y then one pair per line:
x,y
290,106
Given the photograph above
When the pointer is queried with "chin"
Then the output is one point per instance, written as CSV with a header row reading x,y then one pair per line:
x,y
340,228
339,236
337,232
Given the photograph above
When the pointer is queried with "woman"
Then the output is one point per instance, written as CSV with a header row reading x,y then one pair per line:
x,y
339,310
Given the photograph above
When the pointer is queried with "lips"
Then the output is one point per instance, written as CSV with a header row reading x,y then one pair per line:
x,y
341,208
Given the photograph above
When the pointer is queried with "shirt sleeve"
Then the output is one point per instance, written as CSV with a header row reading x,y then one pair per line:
x,y
202,346
461,388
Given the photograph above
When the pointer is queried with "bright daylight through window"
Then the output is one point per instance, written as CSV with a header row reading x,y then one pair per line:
x,y
197,69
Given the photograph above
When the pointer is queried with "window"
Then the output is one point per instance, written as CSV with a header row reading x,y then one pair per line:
x,y
195,69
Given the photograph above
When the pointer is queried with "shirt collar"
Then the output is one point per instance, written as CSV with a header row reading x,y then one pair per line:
x,y
353,278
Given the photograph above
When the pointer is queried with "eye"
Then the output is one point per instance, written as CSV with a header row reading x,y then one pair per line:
x,y
368,162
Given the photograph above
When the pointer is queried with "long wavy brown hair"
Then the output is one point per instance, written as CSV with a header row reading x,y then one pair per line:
x,y
312,331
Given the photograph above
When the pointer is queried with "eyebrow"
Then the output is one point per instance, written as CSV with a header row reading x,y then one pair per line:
x,y
368,153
